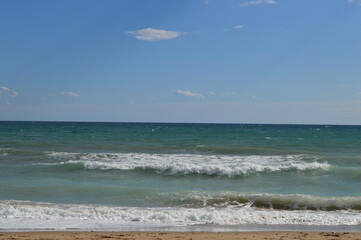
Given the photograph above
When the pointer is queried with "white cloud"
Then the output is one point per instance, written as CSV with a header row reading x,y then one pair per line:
x,y
254,97
2,88
235,27
70,94
257,2
189,93
355,1
151,34
14,94
222,93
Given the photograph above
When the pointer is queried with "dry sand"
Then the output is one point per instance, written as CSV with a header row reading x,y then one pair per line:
x,y
179,235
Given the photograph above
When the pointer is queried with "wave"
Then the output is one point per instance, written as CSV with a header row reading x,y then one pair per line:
x,y
290,202
21,214
5,151
184,164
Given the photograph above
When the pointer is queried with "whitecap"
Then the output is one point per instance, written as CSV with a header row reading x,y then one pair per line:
x,y
183,164
20,215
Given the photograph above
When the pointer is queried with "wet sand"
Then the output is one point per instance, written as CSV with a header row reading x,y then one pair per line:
x,y
179,235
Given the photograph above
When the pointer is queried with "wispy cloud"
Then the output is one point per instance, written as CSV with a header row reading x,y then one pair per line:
x,y
189,93
11,92
346,85
355,1
14,94
222,93
70,94
257,2
254,97
152,34
4,89
235,27
238,27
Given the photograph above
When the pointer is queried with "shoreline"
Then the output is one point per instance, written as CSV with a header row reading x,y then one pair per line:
x,y
199,228
272,235
196,228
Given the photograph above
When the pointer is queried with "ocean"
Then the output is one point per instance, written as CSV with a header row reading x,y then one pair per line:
x,y
99,176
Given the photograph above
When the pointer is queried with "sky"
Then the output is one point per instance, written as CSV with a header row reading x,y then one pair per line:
x,y
215,61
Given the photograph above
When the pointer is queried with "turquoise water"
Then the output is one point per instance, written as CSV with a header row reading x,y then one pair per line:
x,y
148,174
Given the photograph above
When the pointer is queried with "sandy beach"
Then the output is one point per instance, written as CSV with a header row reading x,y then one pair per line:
x,y
179,235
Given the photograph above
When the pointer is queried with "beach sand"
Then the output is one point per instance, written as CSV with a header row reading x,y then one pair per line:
x,y
179,235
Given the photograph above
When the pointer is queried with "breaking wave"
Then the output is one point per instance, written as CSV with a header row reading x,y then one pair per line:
x,y
184,164
264,200
21,214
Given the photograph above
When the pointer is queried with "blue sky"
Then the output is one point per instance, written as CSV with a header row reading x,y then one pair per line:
x,y
241,61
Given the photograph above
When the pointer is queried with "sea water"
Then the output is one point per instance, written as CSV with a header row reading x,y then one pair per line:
x,y
66,175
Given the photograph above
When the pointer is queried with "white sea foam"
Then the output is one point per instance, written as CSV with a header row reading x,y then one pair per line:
x,y
181,164
18,214
4,151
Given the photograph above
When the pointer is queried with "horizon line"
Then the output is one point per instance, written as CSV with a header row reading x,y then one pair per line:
x,y
165,122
